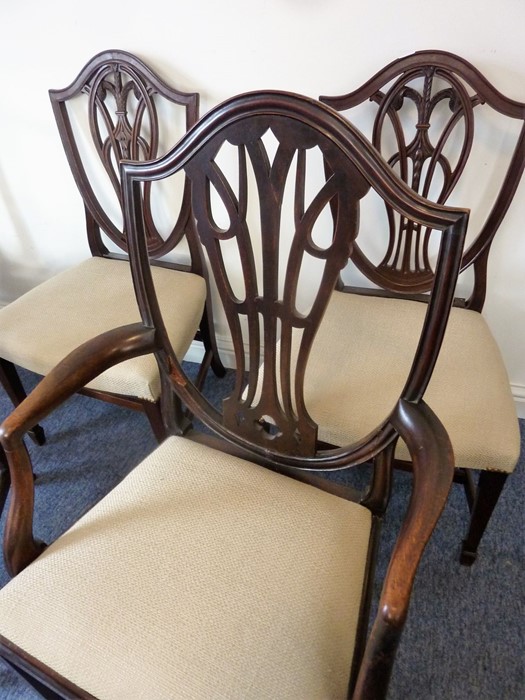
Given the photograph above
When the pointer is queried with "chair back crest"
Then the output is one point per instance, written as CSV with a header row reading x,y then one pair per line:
x,y
124,101
273,138
424,126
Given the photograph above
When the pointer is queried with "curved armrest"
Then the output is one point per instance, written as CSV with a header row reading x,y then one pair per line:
x,y
71,374
433,471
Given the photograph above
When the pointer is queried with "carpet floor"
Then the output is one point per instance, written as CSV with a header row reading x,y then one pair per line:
x,y
465,634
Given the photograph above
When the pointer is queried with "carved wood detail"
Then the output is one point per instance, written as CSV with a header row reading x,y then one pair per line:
x,y
445,92
123,101
270,407
407,254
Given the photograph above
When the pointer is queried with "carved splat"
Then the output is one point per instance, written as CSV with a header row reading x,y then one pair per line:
x,y
119,133
427,104
421,160
269,405
124,97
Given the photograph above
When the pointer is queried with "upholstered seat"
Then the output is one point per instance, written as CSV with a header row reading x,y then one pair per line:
x,y
100,297
231,581
479,416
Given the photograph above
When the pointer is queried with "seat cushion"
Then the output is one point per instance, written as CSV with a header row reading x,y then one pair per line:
x,y
38,329
371,343
200,576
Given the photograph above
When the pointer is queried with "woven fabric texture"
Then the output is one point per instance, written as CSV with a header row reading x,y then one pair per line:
x,y
200,576
45,324
371,342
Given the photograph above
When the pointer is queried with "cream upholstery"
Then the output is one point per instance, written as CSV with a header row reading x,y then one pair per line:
x,y
200,576
41,327
371,343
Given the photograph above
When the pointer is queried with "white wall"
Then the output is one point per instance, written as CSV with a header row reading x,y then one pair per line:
x,y
221,48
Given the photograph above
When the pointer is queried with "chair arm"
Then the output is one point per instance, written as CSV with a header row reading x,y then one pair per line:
x,y
69,376
433,471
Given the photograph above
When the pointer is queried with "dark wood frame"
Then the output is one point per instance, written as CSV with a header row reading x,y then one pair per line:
x,y
468,91
298,123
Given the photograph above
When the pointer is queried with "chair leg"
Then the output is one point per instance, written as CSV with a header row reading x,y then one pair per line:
x,y
489,487
216,364
154,414
13,386
203,369
5,480
210,344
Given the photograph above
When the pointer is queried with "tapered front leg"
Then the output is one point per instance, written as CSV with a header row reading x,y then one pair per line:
x,y
14,389
489,488
5,480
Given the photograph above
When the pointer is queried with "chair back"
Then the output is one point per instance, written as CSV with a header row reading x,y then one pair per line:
x,y
428,105
113,111
263,205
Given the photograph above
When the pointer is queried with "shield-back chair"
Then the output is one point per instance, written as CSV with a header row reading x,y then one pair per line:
x,y
116,108
225,564
422,110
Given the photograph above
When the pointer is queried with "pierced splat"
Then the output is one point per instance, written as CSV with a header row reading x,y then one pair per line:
x,y
124,98
267,404
124,125
424,127
419,161
129,130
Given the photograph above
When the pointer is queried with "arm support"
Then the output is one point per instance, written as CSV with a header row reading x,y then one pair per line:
x,y
433,471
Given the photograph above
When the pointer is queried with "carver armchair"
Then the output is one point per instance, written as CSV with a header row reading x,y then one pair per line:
x,y
116,108
421,111
225,565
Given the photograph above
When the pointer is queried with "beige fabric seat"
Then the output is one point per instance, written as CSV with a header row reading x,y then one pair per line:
x,y
250,589
46,323
469,389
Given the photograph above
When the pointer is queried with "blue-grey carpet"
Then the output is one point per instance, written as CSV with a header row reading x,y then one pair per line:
x,y
465,634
